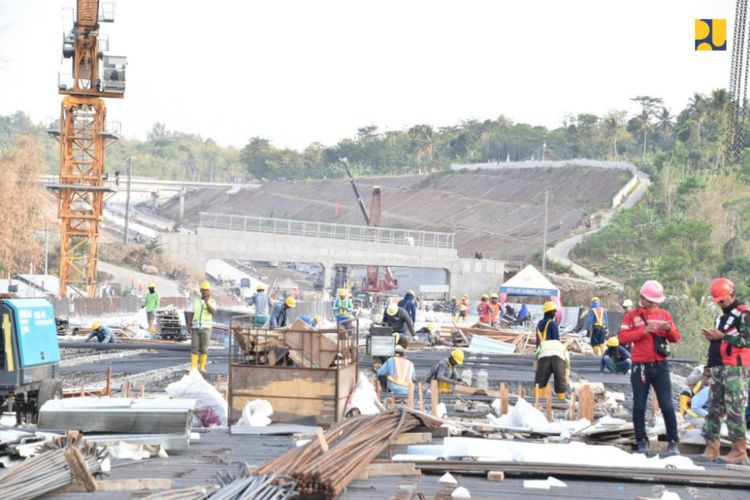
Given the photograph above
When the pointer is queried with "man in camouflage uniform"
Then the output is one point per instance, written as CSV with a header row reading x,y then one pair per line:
x,y
729,345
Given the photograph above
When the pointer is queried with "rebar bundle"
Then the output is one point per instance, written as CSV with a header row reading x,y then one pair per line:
x,y
326,466
51,469
258,487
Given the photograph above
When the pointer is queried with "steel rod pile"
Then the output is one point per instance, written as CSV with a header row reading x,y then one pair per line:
x,y
52,469
325,466
258,487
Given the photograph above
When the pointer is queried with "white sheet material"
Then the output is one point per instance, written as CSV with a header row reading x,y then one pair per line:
x,y
485,345
460,492
576,453
523,416
544,484
447,478
257,413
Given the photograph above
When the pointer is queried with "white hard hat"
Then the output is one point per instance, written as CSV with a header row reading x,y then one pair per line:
x,y
627,303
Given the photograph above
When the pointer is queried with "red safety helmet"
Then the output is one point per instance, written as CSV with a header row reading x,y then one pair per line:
x,y
720,288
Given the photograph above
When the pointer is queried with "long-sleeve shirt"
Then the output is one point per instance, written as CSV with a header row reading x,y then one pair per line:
x,y
103,335
618,353
278,316
593,320
552,333
389,369
633,330
730,318
400,322
410,306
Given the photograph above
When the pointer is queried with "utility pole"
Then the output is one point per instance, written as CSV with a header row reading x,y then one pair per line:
x,y
127,200
544,247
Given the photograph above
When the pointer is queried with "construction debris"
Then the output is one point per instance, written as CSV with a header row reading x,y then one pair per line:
x,y
67,460
243,485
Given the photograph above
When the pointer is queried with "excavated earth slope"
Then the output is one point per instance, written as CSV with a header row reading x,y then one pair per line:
x,y
499,214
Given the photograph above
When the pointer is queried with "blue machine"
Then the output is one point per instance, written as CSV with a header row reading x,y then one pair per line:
x,y
29,355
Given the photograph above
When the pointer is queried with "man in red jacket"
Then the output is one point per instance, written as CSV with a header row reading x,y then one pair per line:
x,y
729,362
642,327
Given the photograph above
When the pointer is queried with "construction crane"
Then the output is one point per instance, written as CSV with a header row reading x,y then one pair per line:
x,y
736,112
373,281
84,137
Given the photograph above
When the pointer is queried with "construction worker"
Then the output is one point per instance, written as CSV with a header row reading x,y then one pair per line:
x,y
729,341
694,399
454,308
102,333
279,314
445,371
483,309
313,321
397,373
551,354
463,308
616,358
262,303
495,309
204,308
151,304
523,313
400,322
646,327
409,303
597,325
343,306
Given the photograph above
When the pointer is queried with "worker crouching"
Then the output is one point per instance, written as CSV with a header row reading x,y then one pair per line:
x,y
204,308
616,358
397,373
446,373
551,354
102,333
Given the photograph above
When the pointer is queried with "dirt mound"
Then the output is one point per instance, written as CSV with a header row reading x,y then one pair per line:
x,y
497,213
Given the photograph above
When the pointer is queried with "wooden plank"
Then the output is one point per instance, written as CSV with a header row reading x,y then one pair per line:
x,y
503,399
410,396
322,440
389,469
434,398
136,484
79,468
412,438
496,475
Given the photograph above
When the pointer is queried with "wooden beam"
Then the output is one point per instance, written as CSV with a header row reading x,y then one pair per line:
x,y
135,484
108,386
410,397
322,440
496,475
79,468
435,398
389,469
412,438
504,397
421,398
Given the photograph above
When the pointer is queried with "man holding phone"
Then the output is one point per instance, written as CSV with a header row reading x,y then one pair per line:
x,y
729,362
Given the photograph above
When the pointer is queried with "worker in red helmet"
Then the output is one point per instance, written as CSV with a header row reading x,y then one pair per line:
x,y
650,329
729,363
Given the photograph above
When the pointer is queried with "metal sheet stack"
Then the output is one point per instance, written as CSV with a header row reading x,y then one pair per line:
x,y
118,415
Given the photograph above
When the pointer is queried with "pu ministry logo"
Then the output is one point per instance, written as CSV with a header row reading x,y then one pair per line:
x,y
710,34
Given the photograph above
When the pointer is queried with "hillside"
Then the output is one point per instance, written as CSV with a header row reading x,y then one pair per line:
x,y
499,214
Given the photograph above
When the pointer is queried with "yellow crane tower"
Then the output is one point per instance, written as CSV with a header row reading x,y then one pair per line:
x,y
83,139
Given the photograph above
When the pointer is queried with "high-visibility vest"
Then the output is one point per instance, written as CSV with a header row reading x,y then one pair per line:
x,y
403,371
599,315
542,336
494,311
343,307
202,317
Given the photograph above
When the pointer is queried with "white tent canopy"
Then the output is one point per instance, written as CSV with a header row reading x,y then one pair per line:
x,y
530,282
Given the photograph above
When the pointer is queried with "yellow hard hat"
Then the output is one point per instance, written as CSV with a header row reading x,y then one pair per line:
x,y
549,306
595,299
342,292
152,285
290,302
613,342
458,356
391,309
205,285
318,319
430,327
260,288
96,325
494,296
485,297
411,292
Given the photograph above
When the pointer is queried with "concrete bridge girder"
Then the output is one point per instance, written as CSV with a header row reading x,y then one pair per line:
x,y
471,276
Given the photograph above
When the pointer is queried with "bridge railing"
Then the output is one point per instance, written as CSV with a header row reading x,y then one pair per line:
x,y
327,230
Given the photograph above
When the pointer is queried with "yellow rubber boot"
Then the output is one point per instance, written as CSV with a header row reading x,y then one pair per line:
x,y
193,361
684,403
204,359
560,395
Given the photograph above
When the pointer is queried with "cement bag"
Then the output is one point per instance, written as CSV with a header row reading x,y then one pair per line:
x,y
256,413
210,406
363,398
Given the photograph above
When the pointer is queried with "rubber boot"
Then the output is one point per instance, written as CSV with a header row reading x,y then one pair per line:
x,y
560,395
712,450
738,454
204,358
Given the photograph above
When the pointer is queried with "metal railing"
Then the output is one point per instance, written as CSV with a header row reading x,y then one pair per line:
x,y
327,230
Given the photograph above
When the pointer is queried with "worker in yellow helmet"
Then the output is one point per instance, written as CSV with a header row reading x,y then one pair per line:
x,y
103,334
446,373
151,304
616,358
204,308
597,324
279,314
551,354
